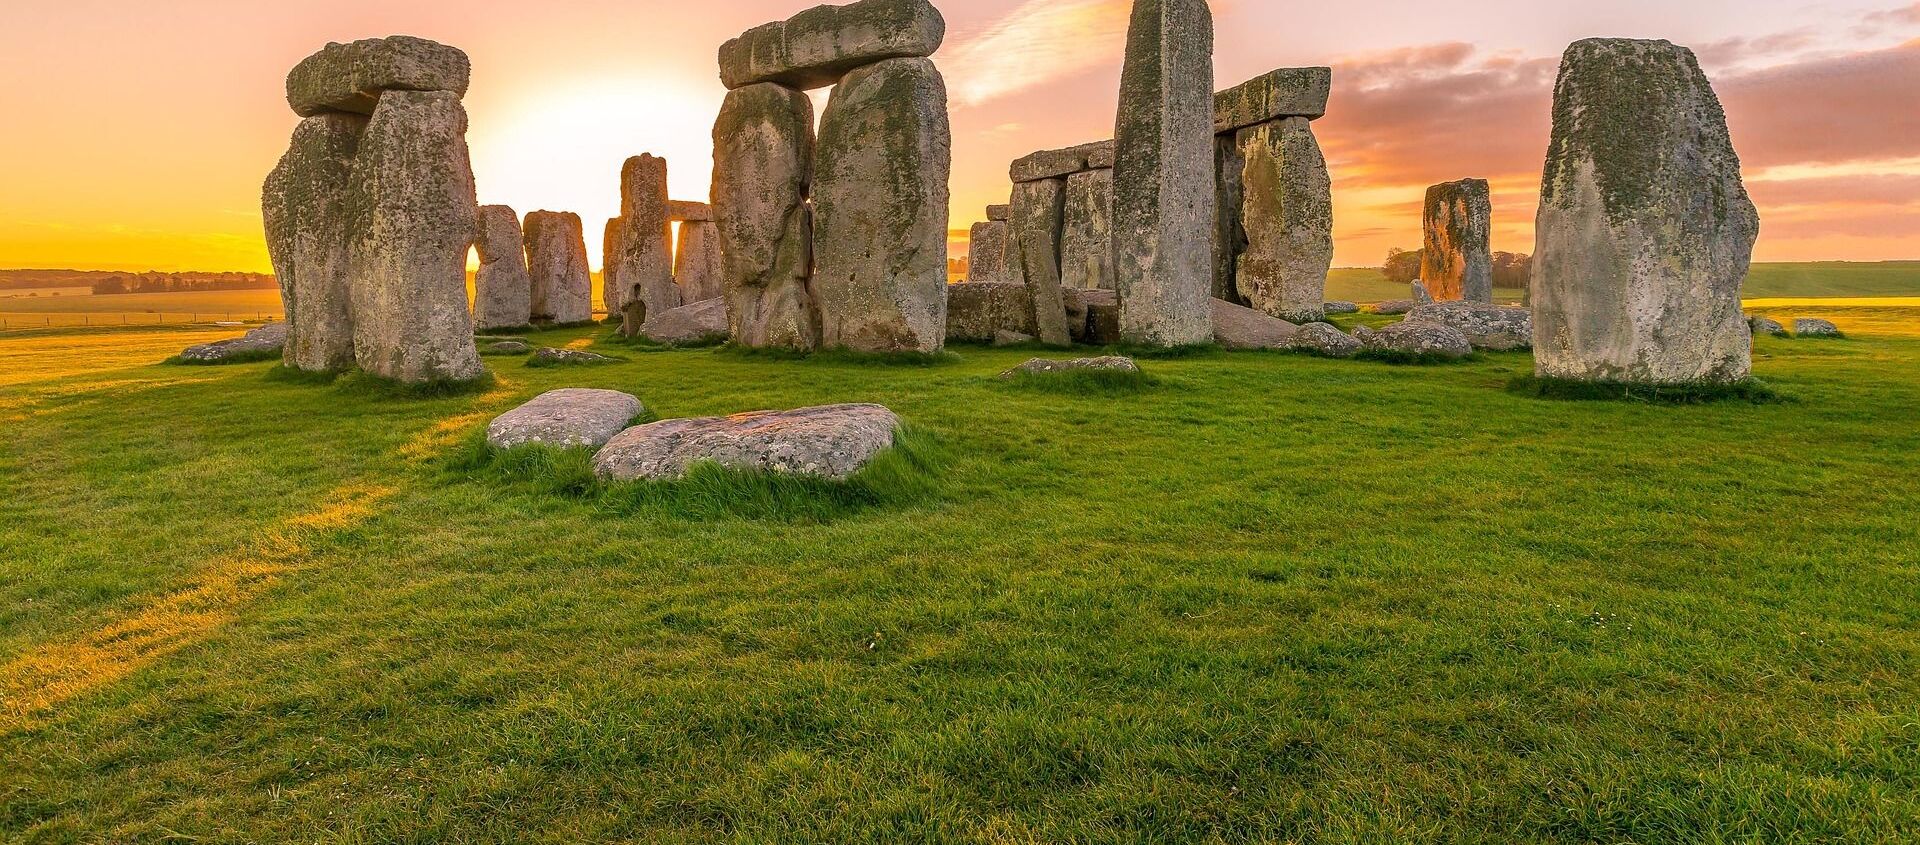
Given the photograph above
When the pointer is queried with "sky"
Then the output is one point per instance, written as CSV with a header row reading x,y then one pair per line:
x,y
138,132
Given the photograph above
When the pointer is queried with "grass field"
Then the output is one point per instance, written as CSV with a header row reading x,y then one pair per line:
x,y
1268,599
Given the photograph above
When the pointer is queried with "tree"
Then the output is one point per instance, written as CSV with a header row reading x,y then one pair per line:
x,y
1403,266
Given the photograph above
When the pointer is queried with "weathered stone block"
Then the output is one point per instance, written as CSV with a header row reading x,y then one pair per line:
x,y
1086,239
1039,210
763,154
312,221
1000,213
696,263
612,293
1457,262
502,288
565,419
978,311
1054,164
350,77
646,247
835,441
1287,92
688,211
1287,220
821,45
557,262
988,250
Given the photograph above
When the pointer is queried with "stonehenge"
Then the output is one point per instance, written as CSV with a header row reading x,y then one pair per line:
x,y
644,264
1644,236
611,293
502,288
370,215
837,240
696,255
695,268
1457,260
1283,231
557,262
1038,210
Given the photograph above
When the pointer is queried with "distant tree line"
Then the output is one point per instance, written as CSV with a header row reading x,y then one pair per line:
x,y
1510,269
181,282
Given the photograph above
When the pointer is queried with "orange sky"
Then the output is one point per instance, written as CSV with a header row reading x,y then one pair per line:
x,y
137,132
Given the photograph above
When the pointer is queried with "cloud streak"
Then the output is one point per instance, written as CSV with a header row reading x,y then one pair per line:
x,y
1036,44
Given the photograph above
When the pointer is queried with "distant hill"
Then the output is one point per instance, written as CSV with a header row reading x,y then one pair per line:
x,y
113,282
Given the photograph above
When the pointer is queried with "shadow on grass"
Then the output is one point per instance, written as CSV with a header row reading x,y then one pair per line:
x,y
253,356
646,345
1083,382
1411,359
1752,391
904,476
360,383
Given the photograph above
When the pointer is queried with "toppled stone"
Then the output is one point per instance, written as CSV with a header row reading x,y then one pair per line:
x,y
567,419
1457,261
1086,238
1238,327
1806,327
550,357
1397,307
1766,325
688,211
350,77
977,312
1007,338
1038,211
1277,95
557,263
834,442
821,45
1341,306
1419,338
1041,366
1323,340
264,342
696,263
1494,327
312,222
988,252
502,287
1287,217
646,247
762,163
1056,164
702,322
507,347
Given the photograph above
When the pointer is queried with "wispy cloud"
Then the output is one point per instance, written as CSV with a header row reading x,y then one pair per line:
x,y
1036,44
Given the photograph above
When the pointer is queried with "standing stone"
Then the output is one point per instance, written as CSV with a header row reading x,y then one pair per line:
x,y
611,293
818,47
987,252
696,263
411,320
1287,218
646,247
1086,242
557,260
308,206
880,202
502,289
1229,235
1457,262
1038,209
1163,176
762,160
1646,231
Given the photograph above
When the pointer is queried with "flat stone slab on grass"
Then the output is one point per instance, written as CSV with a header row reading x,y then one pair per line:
x,y
1042,366
1323,339
569,418
1419,338
833,441
256,345
550,357
1496,327
1805,327
1765,325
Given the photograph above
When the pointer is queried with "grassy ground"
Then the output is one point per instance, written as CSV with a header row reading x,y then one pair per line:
x,y
1263,599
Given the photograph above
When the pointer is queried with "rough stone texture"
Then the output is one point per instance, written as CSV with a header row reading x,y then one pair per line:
x,y
696,263
1807,327
1007,338
1078,305
762,165
1396,307
1419,338
1163,178
1419,293
1645,231
270,339
701,322
1341,306
988,252
1038,211
1288,92
1000,213
311,223
880,201
1765,325
507,347
834,442
1287,221
350,77
1040,366
646,247
567,419
1086,239
1495,327
612,293
1054,164
502,288
557,261
688,211
550,357
1325,340
1240,328
411,321
822,45
1457,262
978,311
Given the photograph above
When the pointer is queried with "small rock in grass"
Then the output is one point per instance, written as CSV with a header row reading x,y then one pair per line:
x,y
1805,327
507,347
1007,338
1420,338
1341,306
1323,339
1396,307
1765,325
569,418
833,442
1110,363
265,341
550,357
1497,327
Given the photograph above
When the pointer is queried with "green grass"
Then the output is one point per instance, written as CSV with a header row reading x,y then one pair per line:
x,y
1281,599
1751,390
1084,382
251,356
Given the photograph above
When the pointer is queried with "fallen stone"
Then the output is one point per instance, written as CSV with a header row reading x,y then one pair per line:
x,y
1056,164
566,419
1341,306
1086,238
1766,325
702,322
262,343
822,45
550,357
1494,327
1323,340
1042,366
1287,218
350,77
988,253
309,207
1457,262
1288,92
502,287
1397,307
1644,236
1805,327
1007,338
646,247
557,263
977,312
762,160
1038,211
880,201
688,211
1238,327
1419,338
696,263
507,347
832,442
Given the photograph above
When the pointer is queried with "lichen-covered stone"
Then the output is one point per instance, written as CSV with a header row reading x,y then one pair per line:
x,y
312,220
1044,366
1809,327
1397,307
1086,237
1287,220
1229,233
1765,325
1288,92
988,248
552,357
350,77
1055,164
1163,182
700,322
880,199
1495,327
502,287
411,319
696,263
268,340
612,293
1457,262
566,419
1324,340
688,211
557,262
821,45
834,441
1000,213
1341,306
1645,229
1038,212
979,311
1418,292
1238,327
762,165
1419,338
646,247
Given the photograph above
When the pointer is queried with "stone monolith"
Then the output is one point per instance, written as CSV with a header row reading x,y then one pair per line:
x,y
1086,237
1457,262
1286,221
502,288
1038,209
557,261
696,262
646,247
311,224
987,252
762,165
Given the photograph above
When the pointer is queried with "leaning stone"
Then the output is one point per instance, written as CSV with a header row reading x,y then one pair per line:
x,y
1805,327
1238,327
1494,327
977,312
411,320
1645,230
1419,338
1041,366
1007,338
821,46
1038,211
1054,164
1287,216
646,247
557,261
880,201
1086,239
1288,92
311,223
1396,307
502,287
696,263
566,419
551,357
350,77
688,211
265,342
701,322
1163,176
612,293
988,249
762,159
1000,213
832,442
1457,262
1420,293
1323,340
1766,325
1341,306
